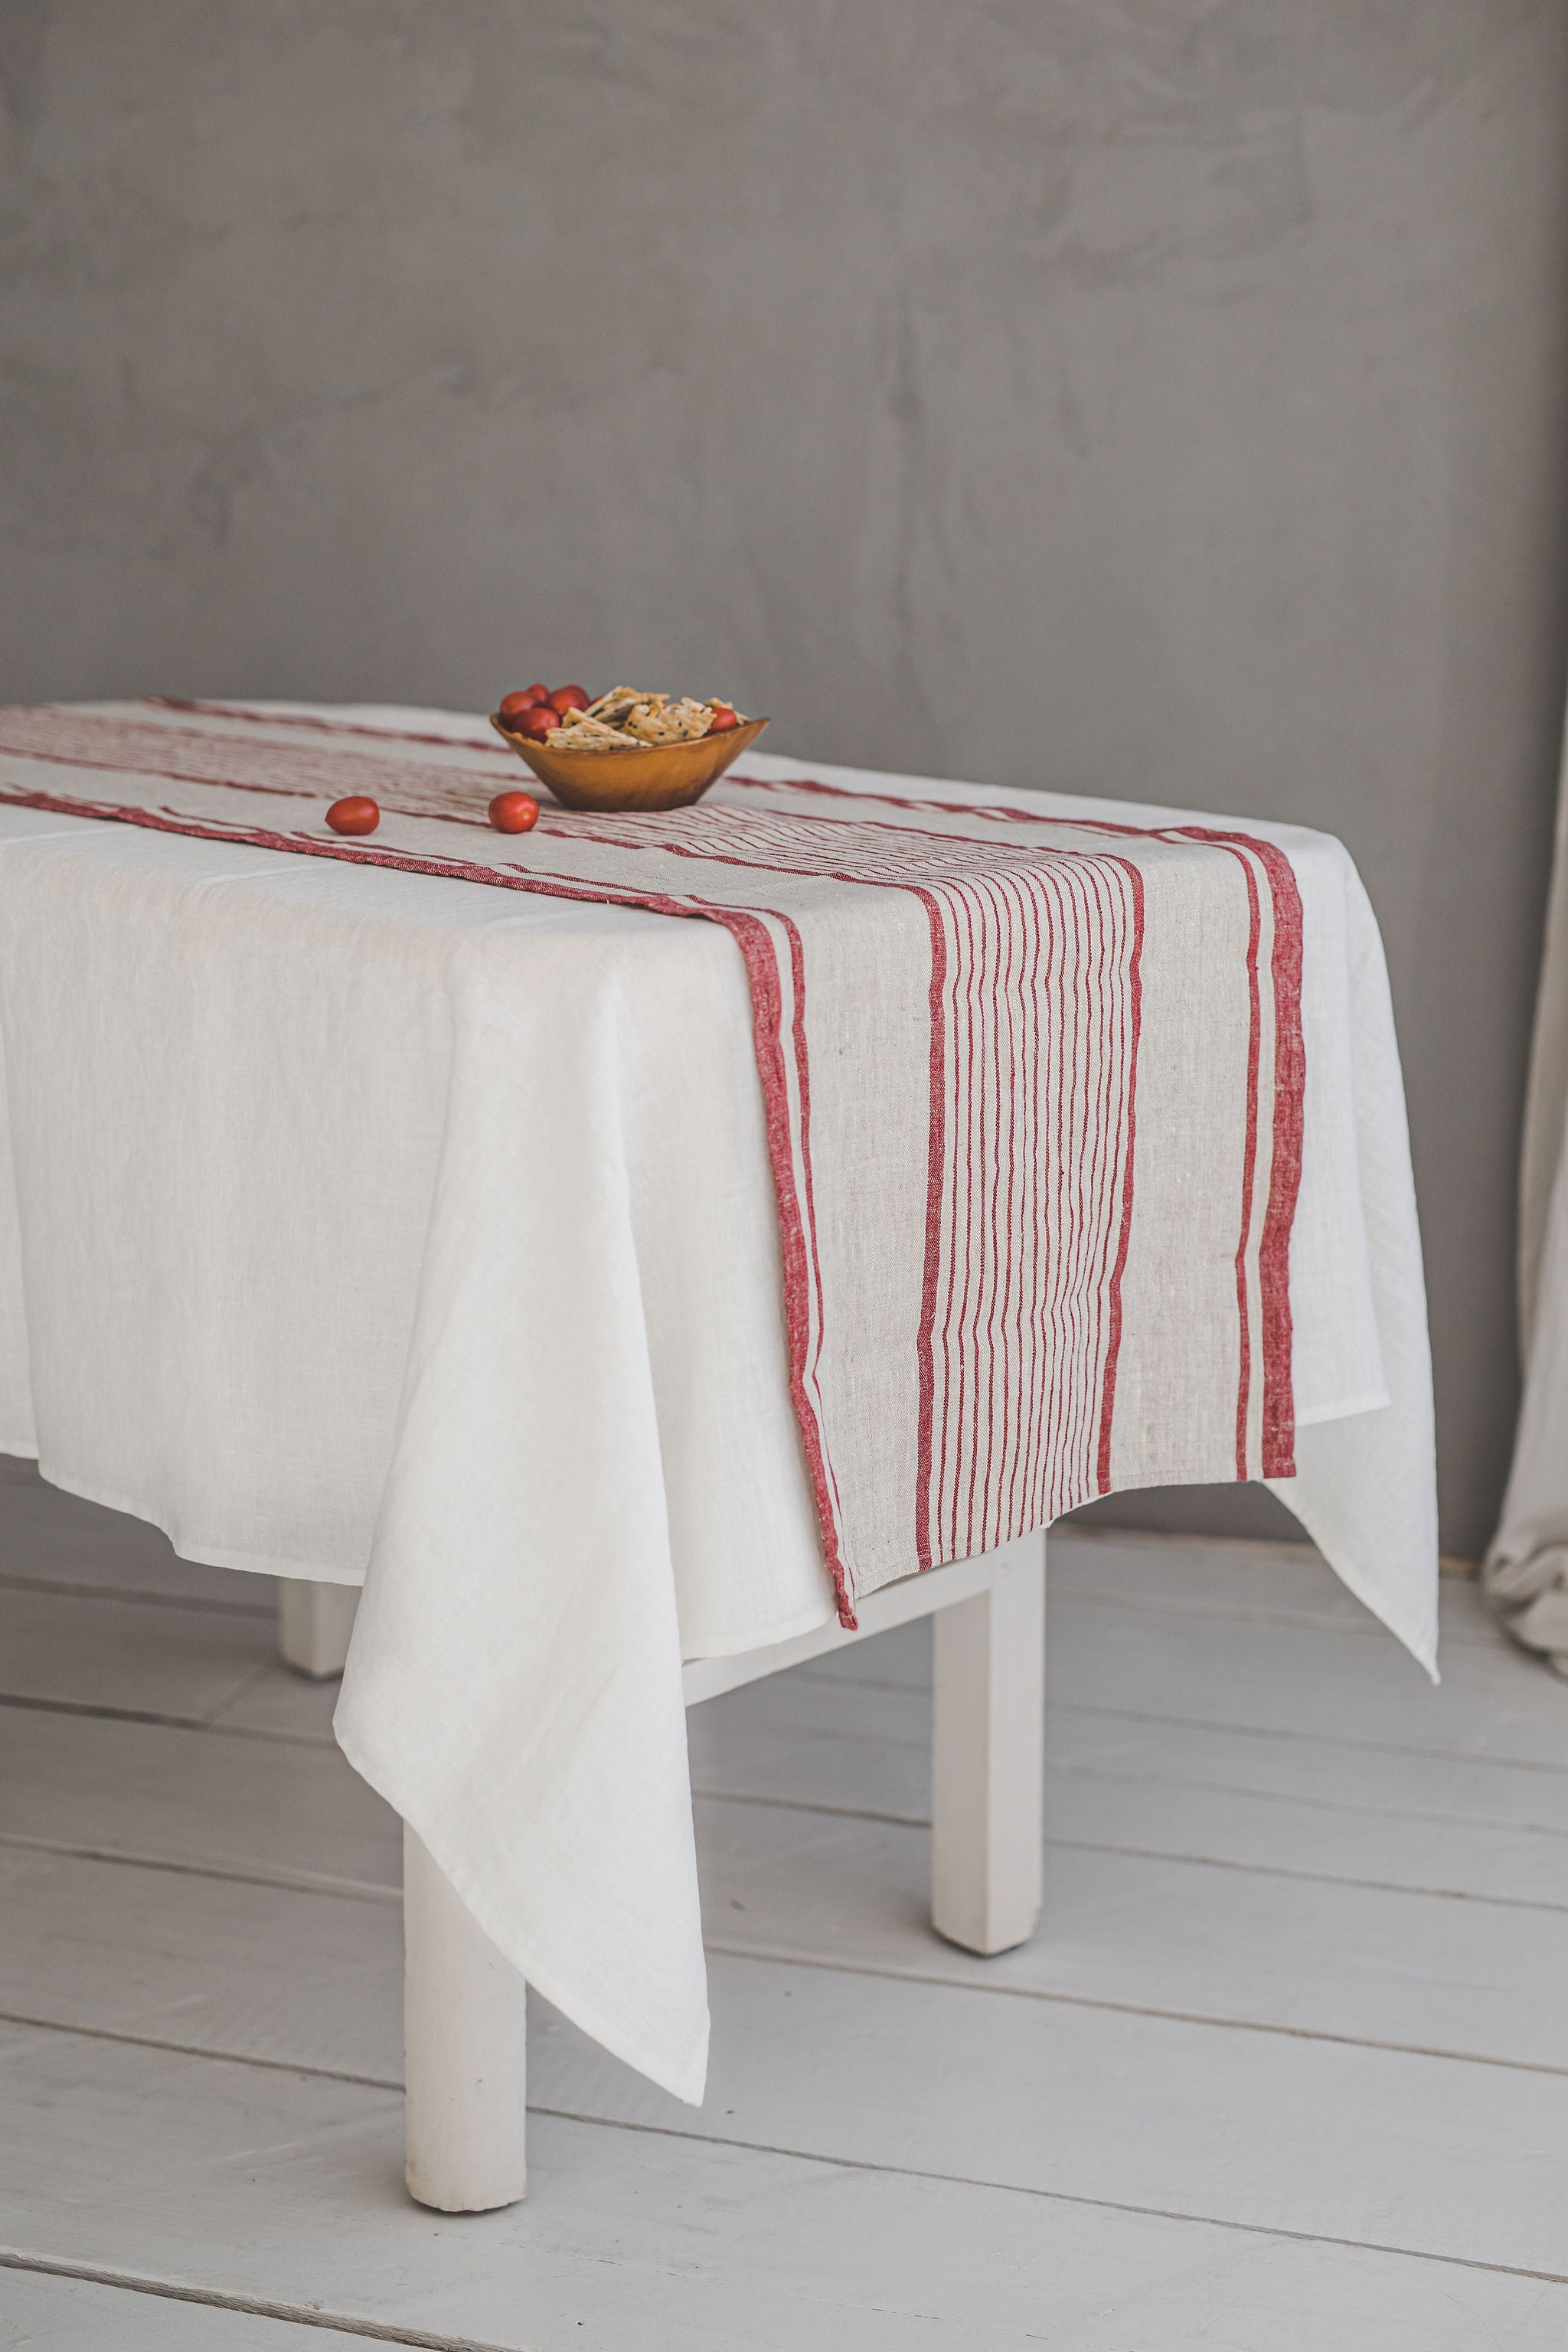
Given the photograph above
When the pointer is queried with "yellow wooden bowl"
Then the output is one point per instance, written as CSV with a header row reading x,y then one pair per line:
x,y
651,776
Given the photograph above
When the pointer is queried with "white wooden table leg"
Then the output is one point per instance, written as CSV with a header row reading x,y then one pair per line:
x,y
464,2050
988,1757
314,1623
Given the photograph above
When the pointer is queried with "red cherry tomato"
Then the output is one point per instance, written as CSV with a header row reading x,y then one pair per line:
x,y
723,718
514,812
537,723
568,697
538,691
358,813
512,705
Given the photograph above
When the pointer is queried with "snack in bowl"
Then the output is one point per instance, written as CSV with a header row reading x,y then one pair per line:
x,y
628,715
628,749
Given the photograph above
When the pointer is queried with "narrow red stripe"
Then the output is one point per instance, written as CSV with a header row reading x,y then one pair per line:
x,y
964,1185
1084,1312
936,1152
802,1093
1113,1345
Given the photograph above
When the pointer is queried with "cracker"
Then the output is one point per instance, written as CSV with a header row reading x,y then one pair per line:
x,y
613,707
676,722
579,732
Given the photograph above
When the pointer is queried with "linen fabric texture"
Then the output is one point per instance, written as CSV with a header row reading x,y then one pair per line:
x,y
583,1280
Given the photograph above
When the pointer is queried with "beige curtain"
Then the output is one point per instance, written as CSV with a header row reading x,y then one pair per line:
x,y
1526,1570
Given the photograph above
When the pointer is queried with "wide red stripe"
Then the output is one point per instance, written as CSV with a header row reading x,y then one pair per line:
x,y
752,936
1278,1446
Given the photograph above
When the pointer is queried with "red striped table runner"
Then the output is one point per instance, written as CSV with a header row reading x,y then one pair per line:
x,y
1032,1081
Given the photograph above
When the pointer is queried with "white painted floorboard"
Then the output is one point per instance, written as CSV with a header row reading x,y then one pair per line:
x,y
1313,1682
177,1662
216,1963
1314,1837
1428,2156
199,1799
42,2313
1286,2068
194,1962
257,2185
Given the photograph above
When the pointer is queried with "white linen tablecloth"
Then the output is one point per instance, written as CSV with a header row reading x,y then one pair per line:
x,y
373,1225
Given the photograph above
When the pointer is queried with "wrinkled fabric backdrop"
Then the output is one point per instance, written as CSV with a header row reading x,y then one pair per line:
x,y
1526,1570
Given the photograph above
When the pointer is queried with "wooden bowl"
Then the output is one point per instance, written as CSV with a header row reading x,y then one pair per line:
x,y
650,776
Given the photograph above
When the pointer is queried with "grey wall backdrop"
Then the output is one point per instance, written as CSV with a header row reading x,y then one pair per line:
x,y
1160,397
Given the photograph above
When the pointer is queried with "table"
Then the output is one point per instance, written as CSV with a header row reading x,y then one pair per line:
x,y
290,1268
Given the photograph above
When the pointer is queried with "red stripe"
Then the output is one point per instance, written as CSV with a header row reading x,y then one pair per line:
x,y
964,1191
1005,1222
750,935
1086,1044
1284,1179
1021,1490
1113,1345
358,853
802,1093
936,1152
1092,1131
1049,938
1285,1172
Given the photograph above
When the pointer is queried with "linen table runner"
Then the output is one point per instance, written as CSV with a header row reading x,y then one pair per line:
x,y
1033,1087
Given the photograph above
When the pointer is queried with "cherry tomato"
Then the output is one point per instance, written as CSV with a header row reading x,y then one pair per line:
x,y
514,812
568,697
723,718
538,691
512,705
537,723
358,813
